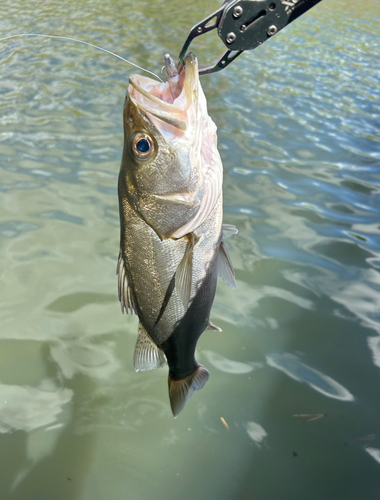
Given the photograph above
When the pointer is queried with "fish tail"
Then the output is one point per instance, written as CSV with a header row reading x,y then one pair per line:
x,y
180,391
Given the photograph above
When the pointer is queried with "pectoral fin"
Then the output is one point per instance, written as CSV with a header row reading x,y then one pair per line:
x,y
183,277
125,292
225,269
148,355
180,391
229,230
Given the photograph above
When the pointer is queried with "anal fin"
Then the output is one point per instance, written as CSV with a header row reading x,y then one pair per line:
x,y
180,391
125,292
225,269
147,355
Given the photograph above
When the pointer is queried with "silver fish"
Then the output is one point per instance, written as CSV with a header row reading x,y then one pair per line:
x,y
171,243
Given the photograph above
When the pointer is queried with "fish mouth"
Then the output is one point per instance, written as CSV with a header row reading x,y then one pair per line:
x,y
168,103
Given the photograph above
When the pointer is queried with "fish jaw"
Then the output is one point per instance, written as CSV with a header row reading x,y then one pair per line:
x,y
169,102
186,171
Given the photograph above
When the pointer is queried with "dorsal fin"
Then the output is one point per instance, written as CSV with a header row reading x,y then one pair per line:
x,y
125,293
147,355
225,269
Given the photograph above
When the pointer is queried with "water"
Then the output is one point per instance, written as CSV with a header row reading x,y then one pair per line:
x,y
298,126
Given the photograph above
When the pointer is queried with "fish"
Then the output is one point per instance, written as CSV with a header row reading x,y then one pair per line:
x,y
171,223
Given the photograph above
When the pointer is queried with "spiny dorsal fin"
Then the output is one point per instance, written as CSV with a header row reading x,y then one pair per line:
x,y
229,230
211,326
225,269
125,293
180,391
183,276
147,355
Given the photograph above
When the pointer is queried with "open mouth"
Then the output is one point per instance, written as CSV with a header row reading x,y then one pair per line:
x,y
170,101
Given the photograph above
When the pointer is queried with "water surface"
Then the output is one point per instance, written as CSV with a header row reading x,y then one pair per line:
x,y
296,372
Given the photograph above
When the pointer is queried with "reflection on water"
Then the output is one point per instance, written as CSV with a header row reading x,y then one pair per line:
x,y
298,132
255,432
375,453
362,299
28,408
296,369
374,345
78,355
228,366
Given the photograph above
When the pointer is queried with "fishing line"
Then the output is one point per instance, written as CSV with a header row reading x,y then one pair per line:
x,y
85,43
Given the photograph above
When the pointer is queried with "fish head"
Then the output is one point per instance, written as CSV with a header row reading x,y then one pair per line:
x,y
171,171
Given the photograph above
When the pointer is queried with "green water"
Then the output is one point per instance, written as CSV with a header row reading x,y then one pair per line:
x,y
298,124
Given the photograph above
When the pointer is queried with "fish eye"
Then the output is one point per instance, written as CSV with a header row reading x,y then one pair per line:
x,y
142,146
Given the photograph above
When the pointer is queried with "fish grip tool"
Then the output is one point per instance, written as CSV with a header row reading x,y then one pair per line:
x,y
245,25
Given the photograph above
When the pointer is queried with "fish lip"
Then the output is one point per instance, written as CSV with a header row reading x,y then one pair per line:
x,y
174,114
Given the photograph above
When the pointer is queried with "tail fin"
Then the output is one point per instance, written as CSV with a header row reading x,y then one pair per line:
x,y
180,391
